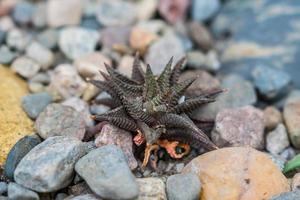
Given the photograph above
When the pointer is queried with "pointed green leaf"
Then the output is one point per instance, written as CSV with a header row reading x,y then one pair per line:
x,y
292,164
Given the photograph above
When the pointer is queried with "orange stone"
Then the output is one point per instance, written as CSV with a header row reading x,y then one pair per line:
x,y
237,173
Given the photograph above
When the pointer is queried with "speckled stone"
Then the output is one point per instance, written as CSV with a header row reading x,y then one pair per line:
x,y
151,189
14,123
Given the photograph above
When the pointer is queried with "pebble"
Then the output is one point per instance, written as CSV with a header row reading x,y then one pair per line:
x,y
6,23
34,104
89,65
48,38
291,115
288,153
66,81
151,189
106,172
287,196
277,160
61,196
90,92
12,113
6,55
80,106
42,77
116,13
76,41
113,135
183,186
272,117
78,189
173,10
60,120
64,12
197,59
39,17
35,87
164,48
115,35
140,39
237,173
270,82
200,35
40,54
3,188
50,165
239,127
90,23
277,140
98,109
23,12
84,197
146,9
17,152
2,36
203,10
295,184
16,192
26,67
17,39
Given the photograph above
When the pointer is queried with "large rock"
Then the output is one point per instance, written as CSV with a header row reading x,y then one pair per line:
x,y
239,127
291,114
277,47
237,173
50,165
14,123
107,173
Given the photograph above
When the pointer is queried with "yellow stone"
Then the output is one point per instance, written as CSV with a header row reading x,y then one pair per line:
x,y
14,123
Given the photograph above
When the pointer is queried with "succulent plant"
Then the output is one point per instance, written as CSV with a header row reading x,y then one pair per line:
x,y
152,108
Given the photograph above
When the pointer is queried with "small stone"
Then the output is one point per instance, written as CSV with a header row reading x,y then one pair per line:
x,y
23,12
43,78
173,10
116,35
90,92
90,23
39,18
66,81
84,197
183,186
61,196
18,151
199,60
48,38
16,192
40,54
125,65
296,182
26,67
272,117
116,13
146,9
291,115
6,6
6,55
179,167
6,23
237,173
203,10
35,87
201,36
78,189
239,127
140,39
80,106
62,13
98,109
287,196
112,135
3,188
17,39
75,41
14,123
164,48
106,172
288,153
34,104
50,165
59,120
151,189
270,82
154,26
89,65
277,140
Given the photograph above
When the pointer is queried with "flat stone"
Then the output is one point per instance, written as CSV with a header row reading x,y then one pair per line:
x,y
106,172
40,54
34,104
277,140
66,12
26,67
14,123
50,165
59,120
272,117
17,152
291,115
237,173
16,192
203,10
75,42
183,186
199,60
287,196
151,189
239,127
116,13
113,135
